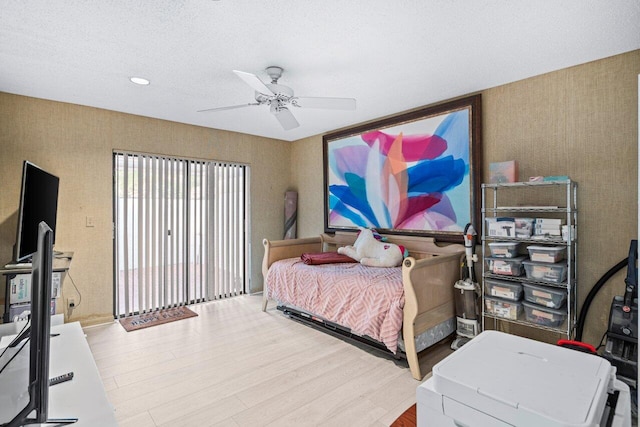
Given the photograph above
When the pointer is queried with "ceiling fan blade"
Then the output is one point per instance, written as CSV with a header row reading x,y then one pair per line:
x,y
253,81
286,119
328,103
231,107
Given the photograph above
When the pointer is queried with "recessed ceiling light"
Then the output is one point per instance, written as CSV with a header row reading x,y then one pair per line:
x,y
139,81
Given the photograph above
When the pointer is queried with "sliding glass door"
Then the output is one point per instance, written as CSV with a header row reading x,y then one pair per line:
x,y
180,231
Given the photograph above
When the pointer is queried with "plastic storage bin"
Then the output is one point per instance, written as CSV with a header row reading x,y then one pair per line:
x,y
503,308
504,249
544,316
545,271
508,290
506,266
546,253
543,295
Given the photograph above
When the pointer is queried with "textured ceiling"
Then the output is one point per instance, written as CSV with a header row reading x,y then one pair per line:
x,y
390,55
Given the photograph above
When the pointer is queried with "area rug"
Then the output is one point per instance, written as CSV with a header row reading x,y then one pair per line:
x,y
146,320
407,419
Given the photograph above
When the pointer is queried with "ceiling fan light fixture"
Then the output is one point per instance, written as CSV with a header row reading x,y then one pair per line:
x,y
275,107
139,81
278,97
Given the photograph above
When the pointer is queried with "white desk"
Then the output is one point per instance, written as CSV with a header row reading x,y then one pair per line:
x,y
84,396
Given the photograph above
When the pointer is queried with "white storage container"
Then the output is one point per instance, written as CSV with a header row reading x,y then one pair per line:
x,y
503,308
497,379
546,271
506,266
546,253
544,295
504,249
543,316
503,289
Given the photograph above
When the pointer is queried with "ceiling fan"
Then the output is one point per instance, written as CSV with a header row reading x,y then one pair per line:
x,y
278,96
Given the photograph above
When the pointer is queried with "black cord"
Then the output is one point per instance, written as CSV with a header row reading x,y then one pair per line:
x,y
592,294
601,341
77,291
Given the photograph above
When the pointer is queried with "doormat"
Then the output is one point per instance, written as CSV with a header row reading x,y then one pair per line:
x,y
154,318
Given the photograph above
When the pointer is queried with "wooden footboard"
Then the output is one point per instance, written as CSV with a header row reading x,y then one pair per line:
x,y
275,250
428,276
428,298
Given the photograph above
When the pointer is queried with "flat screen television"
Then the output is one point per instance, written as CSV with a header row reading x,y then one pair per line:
x,y
31,406
38,202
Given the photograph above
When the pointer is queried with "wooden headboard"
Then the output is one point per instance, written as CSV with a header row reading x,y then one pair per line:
x,y
419,247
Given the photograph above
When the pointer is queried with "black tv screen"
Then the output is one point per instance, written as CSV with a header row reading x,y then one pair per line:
x,y
38,202
26,405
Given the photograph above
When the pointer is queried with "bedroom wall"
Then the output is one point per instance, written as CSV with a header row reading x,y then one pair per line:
x,y
582,122
76,144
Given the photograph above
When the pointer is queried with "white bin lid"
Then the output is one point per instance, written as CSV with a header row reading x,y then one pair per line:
x,y
524,382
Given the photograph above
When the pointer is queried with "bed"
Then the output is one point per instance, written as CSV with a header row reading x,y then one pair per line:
x,y
410,307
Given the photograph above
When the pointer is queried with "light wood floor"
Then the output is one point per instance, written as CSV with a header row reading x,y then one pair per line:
x,y
234,365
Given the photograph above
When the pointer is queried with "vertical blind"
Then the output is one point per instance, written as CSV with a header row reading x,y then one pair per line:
x,y
180,231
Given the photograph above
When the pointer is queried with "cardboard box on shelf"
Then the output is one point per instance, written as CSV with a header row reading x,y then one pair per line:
x,y
500,172
501,227
20,287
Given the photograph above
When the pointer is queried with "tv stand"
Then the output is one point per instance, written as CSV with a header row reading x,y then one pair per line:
x,y
53,422
83,398
61,421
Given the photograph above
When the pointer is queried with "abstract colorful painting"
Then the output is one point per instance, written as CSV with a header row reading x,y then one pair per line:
x,y
415,173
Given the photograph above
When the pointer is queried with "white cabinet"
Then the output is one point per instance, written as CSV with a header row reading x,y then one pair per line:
x,y
529,248
84,397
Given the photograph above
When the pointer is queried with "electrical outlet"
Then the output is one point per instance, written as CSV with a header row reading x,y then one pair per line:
x,y
71,303
89,222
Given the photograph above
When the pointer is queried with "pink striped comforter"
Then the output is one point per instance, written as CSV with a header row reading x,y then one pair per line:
x,y
368,300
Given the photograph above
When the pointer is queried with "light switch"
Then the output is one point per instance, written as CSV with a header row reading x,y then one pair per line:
x,y
89,222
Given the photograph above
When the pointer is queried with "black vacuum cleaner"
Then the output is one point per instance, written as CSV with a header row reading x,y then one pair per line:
x,y
621,348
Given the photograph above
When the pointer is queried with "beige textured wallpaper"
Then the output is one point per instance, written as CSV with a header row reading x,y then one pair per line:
x,y
581,122
76,144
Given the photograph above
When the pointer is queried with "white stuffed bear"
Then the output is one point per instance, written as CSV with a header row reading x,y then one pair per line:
x,y
371,252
